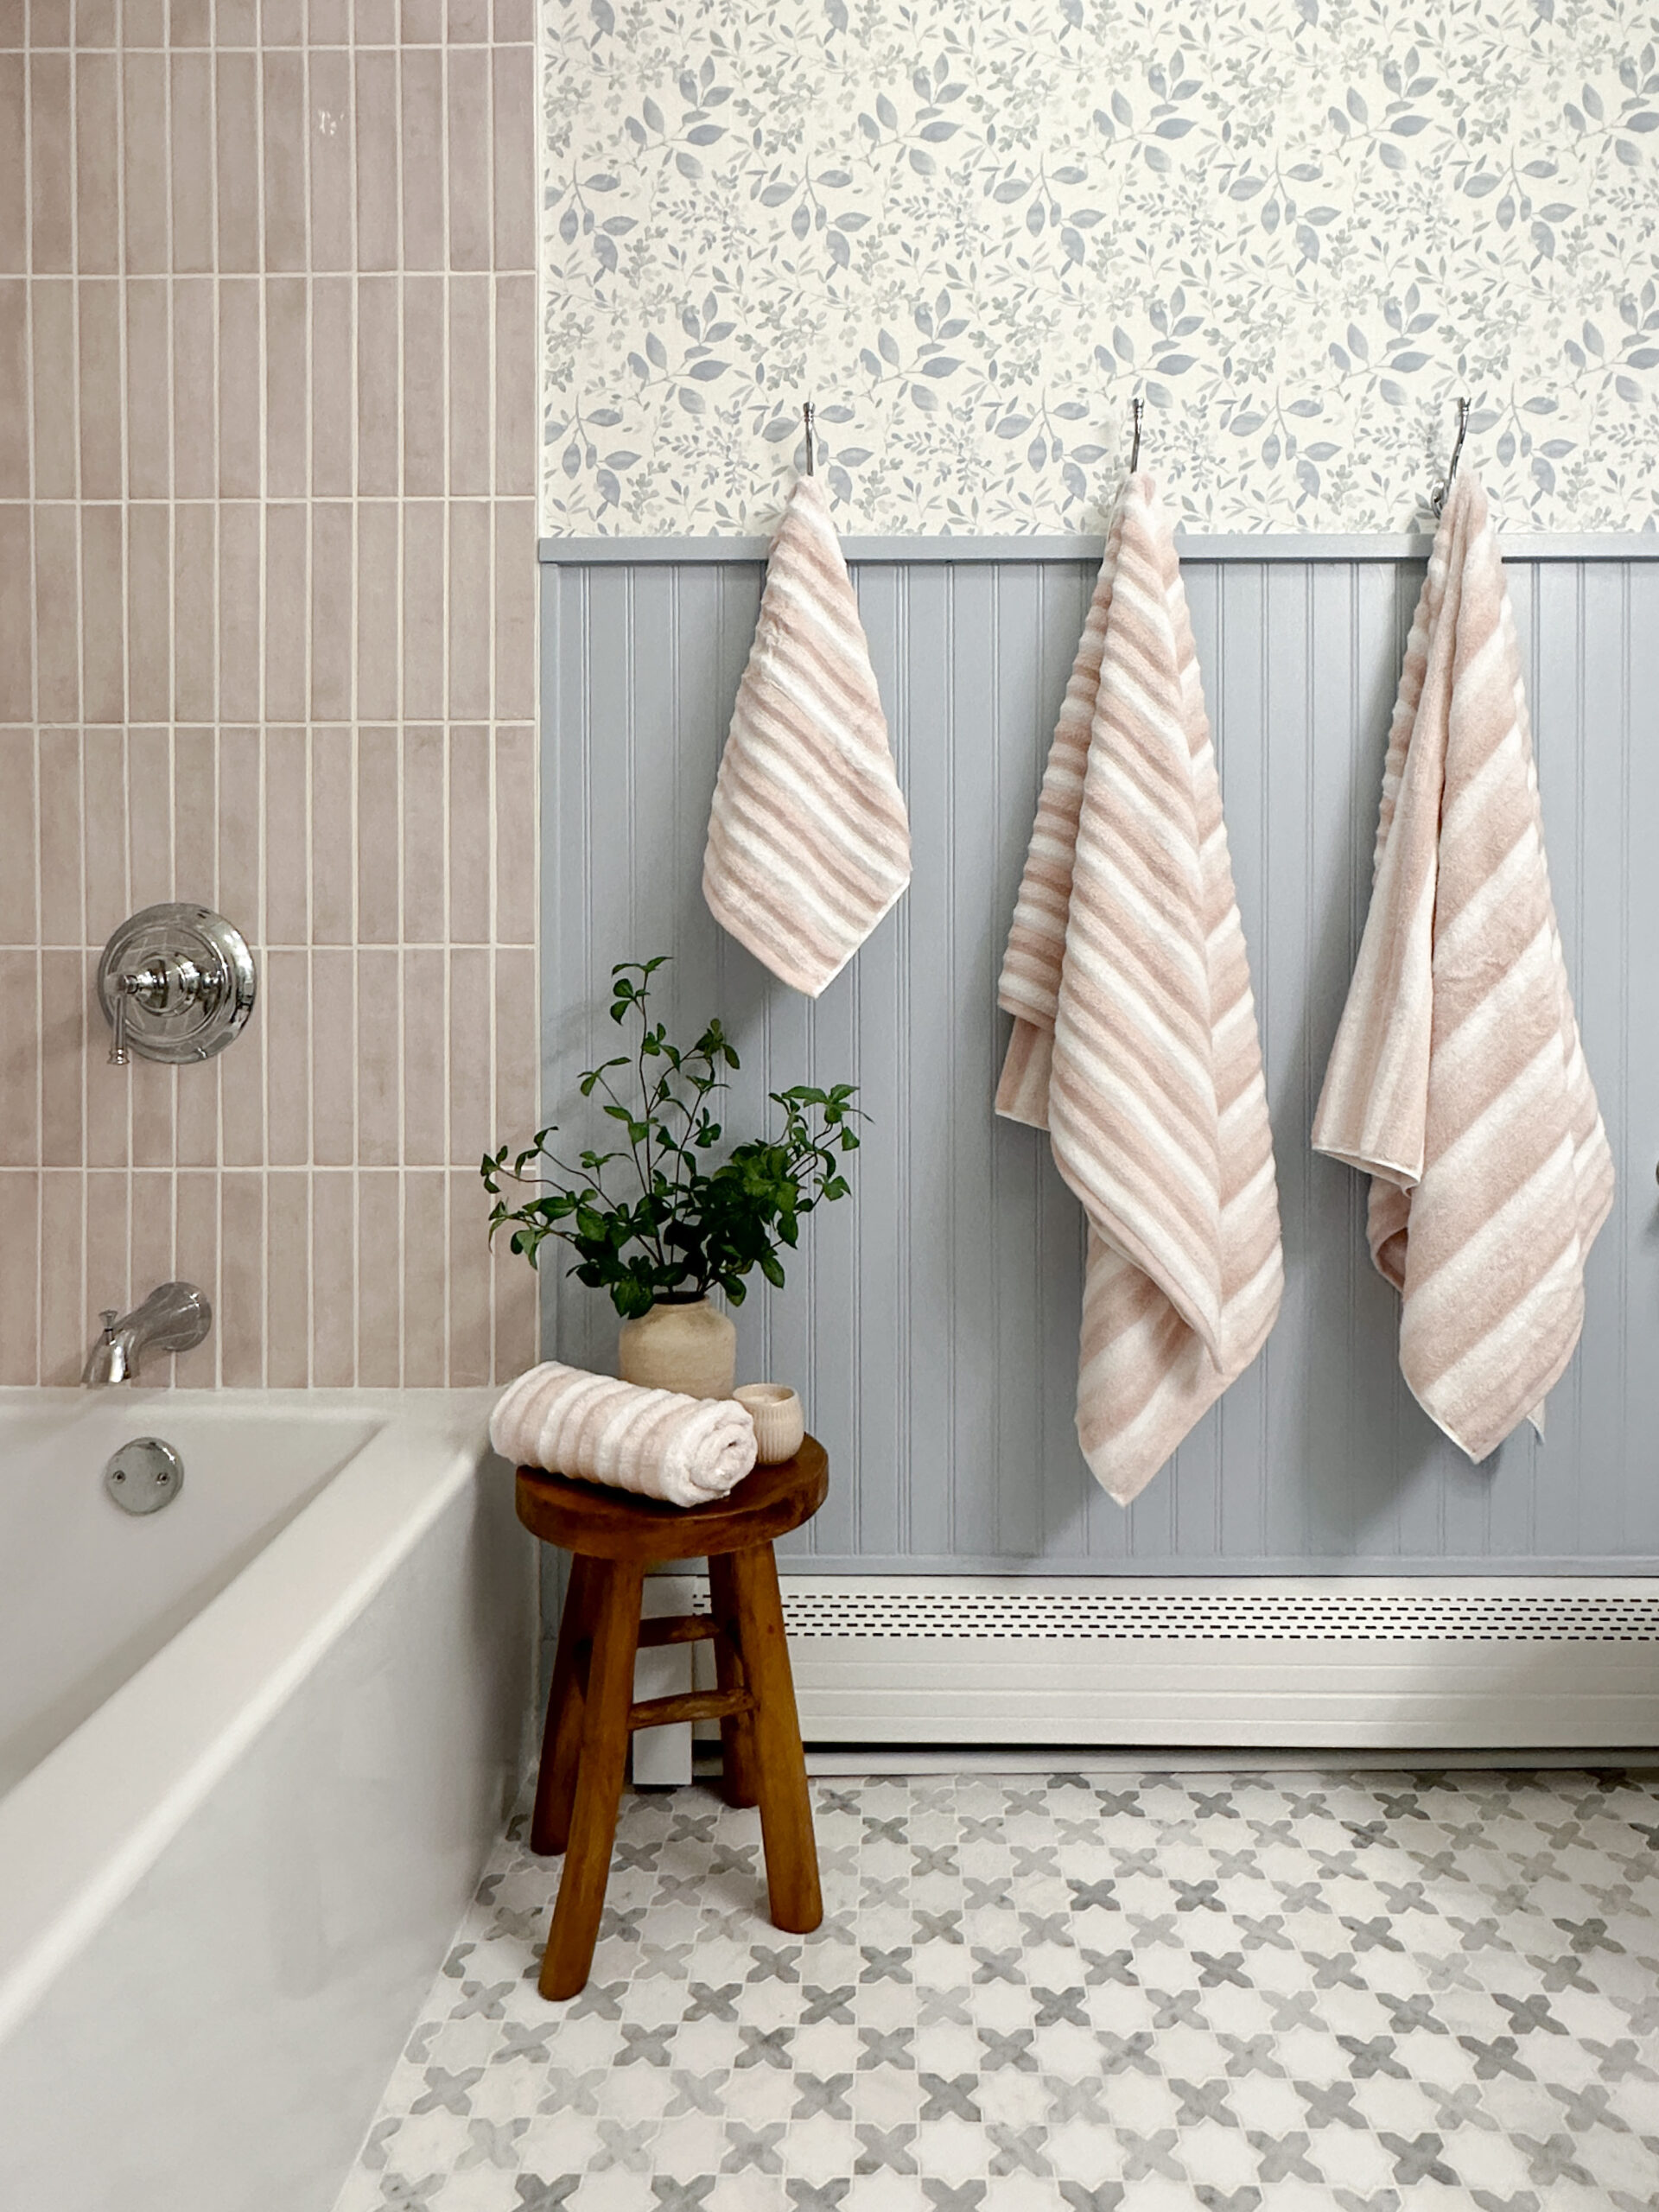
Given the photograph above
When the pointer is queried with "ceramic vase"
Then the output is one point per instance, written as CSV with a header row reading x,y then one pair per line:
x,y
686,1344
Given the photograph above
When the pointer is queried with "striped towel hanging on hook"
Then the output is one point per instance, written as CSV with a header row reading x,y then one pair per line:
x,y
1135,1041
809,841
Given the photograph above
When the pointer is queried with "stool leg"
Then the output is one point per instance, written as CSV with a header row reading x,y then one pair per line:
x,y
737,1737
599,1779
556,1780
779,1764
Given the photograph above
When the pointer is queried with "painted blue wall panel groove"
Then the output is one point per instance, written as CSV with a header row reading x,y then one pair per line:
x,y
932,1321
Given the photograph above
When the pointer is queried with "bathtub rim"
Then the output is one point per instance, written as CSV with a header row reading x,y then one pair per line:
x,y
79,1831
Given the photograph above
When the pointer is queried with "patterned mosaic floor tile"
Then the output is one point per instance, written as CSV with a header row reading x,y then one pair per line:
x,y
1315,1993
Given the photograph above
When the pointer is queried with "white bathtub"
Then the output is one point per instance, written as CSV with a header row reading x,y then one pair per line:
x,y
258,1744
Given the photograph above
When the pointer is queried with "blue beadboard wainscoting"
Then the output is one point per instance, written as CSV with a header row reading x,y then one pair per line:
x,y
931,1322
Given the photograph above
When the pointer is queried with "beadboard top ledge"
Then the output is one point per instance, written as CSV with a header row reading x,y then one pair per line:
x,y
1234,546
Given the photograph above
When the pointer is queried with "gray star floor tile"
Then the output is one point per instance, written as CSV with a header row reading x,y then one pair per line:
x,y
1254,1993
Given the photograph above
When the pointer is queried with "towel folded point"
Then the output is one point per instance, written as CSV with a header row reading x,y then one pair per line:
x,y
656,1443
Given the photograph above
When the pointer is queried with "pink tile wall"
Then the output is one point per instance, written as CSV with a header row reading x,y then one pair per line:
x,y
267,639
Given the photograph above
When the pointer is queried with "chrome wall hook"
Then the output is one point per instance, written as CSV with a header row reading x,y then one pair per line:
x,y
808,415
1137,413
1442,491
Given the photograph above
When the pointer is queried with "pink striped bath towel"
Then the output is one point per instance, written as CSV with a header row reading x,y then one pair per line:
x,y
1457,1080
1134,1040
809,842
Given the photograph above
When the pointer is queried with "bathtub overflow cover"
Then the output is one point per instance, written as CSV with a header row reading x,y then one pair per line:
x,y
144,1475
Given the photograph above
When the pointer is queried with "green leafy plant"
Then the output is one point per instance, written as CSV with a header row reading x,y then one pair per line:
x,y
685,1225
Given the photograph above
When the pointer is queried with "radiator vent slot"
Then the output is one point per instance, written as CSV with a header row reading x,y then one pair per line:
x,y
849,1609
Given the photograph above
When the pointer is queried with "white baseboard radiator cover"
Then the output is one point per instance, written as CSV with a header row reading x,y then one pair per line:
x,y
1408,1663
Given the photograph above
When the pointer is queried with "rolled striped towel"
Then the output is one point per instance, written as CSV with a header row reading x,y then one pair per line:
x,y
1457,1080
683,1451
1134,1040
809,842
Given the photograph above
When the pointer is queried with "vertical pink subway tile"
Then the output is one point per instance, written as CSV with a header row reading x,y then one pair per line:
x,y
98,227
379,1072
334,1058
287,1270
150,441
103,585
191,137
287,599
516,580
377,811
240,1319
423,386
424,841
196,1134
425,1050
152,1089
108,1274
195,389
421,86
195,817
100,389
516,884
14,169
282,21
377,599
518,1042
513,68
472,1127
239,394
469,1282
94,23
513,20
61,845
56,376
469,608
331,611
285,135
64,1338
378,462
333,1280
236,22
20,1104
330,110
469,385
108,1091
52,186
374,22
469,103
148,190
334,871
57,618
19,846
467,22
151,1200
149,613
469,835
242,1087
143,22
425,1272
189,22
515,387
287,471
329,22
195,1259
14,389
103,812
20,1236
235,870
236,132
288,859
420,22
240,615
195,629
287,997
423,610
16,618
65,1041
514,1288
376,160
379,1280
150,815
333,405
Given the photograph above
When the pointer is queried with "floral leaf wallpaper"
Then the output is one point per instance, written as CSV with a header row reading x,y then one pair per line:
x,y
972,230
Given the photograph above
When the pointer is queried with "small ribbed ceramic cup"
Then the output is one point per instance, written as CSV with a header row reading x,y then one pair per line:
x,y
779,1424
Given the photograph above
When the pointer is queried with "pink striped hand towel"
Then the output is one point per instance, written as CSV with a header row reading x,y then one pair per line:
x,y
1457,1080
683,1451
809,842
1134,1040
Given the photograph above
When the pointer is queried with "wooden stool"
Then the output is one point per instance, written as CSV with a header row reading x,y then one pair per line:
x,y
613,1536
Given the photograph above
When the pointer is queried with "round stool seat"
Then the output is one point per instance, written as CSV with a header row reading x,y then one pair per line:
x,y
596,1522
